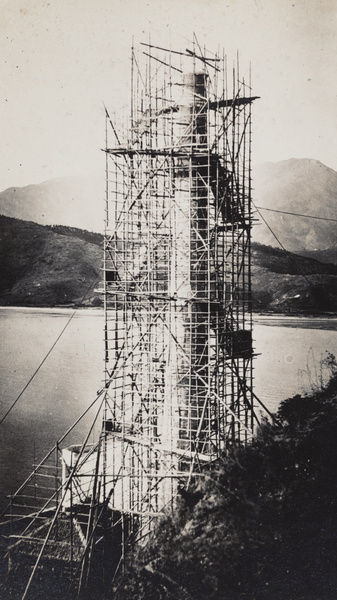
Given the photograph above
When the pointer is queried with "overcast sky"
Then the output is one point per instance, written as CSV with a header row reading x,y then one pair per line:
x,y
60,59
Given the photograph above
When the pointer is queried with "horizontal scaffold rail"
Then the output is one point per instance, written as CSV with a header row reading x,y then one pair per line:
x,y
232,102
148,152
132,439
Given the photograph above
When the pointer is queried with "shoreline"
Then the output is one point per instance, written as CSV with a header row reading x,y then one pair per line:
x,y
300,320
66,310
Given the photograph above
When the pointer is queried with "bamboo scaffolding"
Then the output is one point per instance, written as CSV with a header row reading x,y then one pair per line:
x,y
177,304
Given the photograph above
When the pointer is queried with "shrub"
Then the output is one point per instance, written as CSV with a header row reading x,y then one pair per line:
x,y
261,524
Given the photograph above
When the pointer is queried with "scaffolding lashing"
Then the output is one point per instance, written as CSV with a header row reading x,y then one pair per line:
x,y
177,305
180,277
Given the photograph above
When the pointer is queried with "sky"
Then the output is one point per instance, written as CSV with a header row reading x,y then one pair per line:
x,y
60,60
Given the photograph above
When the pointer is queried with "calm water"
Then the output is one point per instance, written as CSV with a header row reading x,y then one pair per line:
x,y
290,354
288,362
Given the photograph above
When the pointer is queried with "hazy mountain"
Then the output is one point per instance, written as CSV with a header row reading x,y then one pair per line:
x,y
71,201
326,256
52,265
302,186
55,266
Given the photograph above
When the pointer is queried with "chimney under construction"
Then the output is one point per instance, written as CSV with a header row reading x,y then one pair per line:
x,y
177,305
177,285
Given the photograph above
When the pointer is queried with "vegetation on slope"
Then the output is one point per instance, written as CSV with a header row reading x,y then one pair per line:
x,y
303,186
260,525
47,266
285,282
57,265
325,256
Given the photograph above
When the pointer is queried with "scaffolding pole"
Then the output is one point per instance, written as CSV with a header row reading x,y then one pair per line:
x,y
178,323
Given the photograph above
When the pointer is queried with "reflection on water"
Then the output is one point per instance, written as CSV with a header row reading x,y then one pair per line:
x,y
289,351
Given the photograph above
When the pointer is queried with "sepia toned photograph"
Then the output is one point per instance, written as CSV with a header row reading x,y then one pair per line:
x,y
168,296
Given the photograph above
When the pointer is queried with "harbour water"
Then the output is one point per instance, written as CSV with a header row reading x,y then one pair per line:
x,y
289,352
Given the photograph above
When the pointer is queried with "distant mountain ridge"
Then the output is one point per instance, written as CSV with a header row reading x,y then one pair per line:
x,y
303,186
59,266
70,201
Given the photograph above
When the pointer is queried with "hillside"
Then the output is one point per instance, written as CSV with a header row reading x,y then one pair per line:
x,y
303,186
71,201
286,282
260,524
327,256
60,266
47,266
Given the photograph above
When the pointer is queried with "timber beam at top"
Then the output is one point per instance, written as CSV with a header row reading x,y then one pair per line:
x,y
232,102
145,152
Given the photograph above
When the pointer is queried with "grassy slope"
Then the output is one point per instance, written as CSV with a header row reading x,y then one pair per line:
x,y
56,265
47,266
260,525
328,256
286,282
